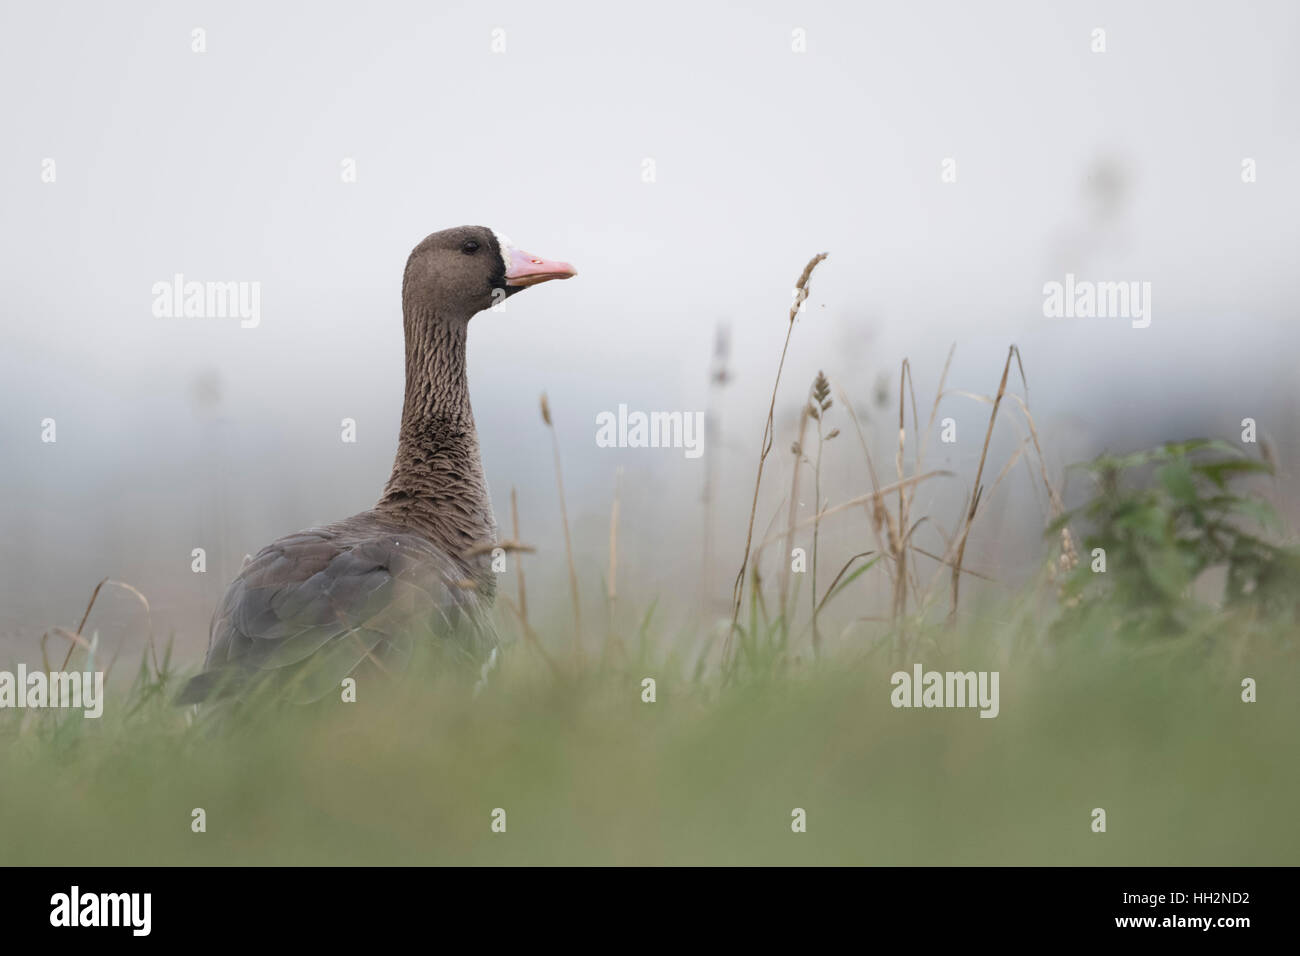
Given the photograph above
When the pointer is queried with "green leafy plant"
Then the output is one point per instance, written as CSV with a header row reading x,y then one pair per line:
x,y
1165,517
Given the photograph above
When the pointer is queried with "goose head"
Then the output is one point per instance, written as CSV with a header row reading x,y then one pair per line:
x,y
467,269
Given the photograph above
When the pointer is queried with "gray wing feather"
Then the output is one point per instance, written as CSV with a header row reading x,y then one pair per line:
x,y
312,606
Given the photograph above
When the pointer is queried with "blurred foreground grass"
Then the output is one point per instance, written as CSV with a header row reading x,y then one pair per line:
x,y
1154,733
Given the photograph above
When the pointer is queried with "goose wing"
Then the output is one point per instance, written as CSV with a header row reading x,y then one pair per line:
x,y
311,607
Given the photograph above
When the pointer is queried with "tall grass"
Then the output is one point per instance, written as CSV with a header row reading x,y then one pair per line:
x,y
1103,705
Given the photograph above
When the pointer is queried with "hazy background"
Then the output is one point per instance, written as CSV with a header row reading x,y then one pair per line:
x,y
182,433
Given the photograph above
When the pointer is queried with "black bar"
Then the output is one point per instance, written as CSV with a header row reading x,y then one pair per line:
x,y
241,905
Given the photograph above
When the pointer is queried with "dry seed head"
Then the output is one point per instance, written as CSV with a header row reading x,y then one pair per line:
x,y
721,343
1069,556
546,410
877,514
821,401
1266,452
801,286
881,394
721,350
821,387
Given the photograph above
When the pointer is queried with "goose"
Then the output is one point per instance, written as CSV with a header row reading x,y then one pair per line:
x,y
314,607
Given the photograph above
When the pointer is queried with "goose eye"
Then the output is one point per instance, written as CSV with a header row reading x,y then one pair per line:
x,y
470,247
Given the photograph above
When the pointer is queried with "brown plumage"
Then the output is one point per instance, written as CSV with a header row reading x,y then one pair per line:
x,y
311,608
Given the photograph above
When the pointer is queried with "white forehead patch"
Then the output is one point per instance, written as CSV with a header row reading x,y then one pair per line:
x,y
506,247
